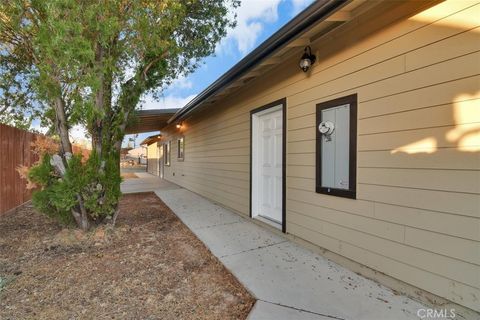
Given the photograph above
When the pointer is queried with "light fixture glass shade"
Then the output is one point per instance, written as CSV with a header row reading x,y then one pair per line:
x,y
307,59
305,64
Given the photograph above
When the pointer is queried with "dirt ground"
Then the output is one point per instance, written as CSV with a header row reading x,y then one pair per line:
x,y
149,267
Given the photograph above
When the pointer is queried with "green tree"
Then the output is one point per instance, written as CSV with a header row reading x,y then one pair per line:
x,y
17,102
89,62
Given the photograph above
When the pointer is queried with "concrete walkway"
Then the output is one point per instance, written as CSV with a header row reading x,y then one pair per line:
x,y
145,182
289,281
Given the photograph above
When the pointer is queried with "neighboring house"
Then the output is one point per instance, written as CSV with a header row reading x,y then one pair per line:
x,y
139,155
154,154
372,154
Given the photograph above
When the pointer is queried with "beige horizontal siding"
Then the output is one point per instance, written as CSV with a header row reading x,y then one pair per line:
x,y
215,172
463,181
215,151
443,50
434,95
428,117
365,224
412,172
465,273
440,222
360,207
451,179
456,68
225,159
222,143
237,185
417,212
445,158
224,131
303,147
242,168
452,202
417,99
374,83
416,140
444,244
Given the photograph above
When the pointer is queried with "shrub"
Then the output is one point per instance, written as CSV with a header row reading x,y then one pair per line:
x,y
96,182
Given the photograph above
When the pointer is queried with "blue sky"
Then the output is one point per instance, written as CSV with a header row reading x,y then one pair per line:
x,y
256,21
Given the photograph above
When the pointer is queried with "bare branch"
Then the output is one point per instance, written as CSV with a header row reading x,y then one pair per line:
x,y
152,62
3,109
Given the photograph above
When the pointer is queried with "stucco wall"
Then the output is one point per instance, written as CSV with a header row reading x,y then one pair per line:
x,y
417,213
152,161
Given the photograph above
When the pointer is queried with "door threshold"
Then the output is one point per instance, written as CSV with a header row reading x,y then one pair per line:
x,y
270,222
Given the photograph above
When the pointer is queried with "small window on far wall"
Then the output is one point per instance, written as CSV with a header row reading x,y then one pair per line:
x,y
336,147
181,148
166,152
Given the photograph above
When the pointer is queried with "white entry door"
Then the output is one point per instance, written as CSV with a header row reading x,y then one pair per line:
x,y
267,164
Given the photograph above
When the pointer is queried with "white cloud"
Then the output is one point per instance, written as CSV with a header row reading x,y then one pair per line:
x,y
35,125
299,5
167,102
78,134
181,83
251,15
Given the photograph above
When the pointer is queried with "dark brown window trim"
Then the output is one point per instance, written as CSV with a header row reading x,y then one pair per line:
x,y
283,102
352,192
167,153
178,149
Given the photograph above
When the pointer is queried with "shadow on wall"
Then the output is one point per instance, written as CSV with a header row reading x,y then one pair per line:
x,y
464,136
465,109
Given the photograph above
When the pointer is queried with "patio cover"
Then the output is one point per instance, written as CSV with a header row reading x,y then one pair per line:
x,y
151,139
150,120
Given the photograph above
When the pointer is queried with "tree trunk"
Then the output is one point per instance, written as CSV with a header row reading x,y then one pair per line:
x,y
84,223
62,127
81,218
97,134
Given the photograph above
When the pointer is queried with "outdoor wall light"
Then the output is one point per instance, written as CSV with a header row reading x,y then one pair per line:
x,y
179,125
307,59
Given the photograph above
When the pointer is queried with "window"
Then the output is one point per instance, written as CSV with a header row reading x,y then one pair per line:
x,y
336,148
181,149
166,152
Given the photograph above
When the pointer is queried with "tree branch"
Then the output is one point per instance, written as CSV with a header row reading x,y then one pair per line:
x,y
3,109
152,62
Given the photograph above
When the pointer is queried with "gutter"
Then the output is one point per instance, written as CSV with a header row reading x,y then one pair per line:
x,y
155,112
314,13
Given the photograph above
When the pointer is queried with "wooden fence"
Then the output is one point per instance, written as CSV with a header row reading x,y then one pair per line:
x,y
15,150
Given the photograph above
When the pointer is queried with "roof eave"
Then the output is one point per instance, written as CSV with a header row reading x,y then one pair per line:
x,y
315,13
